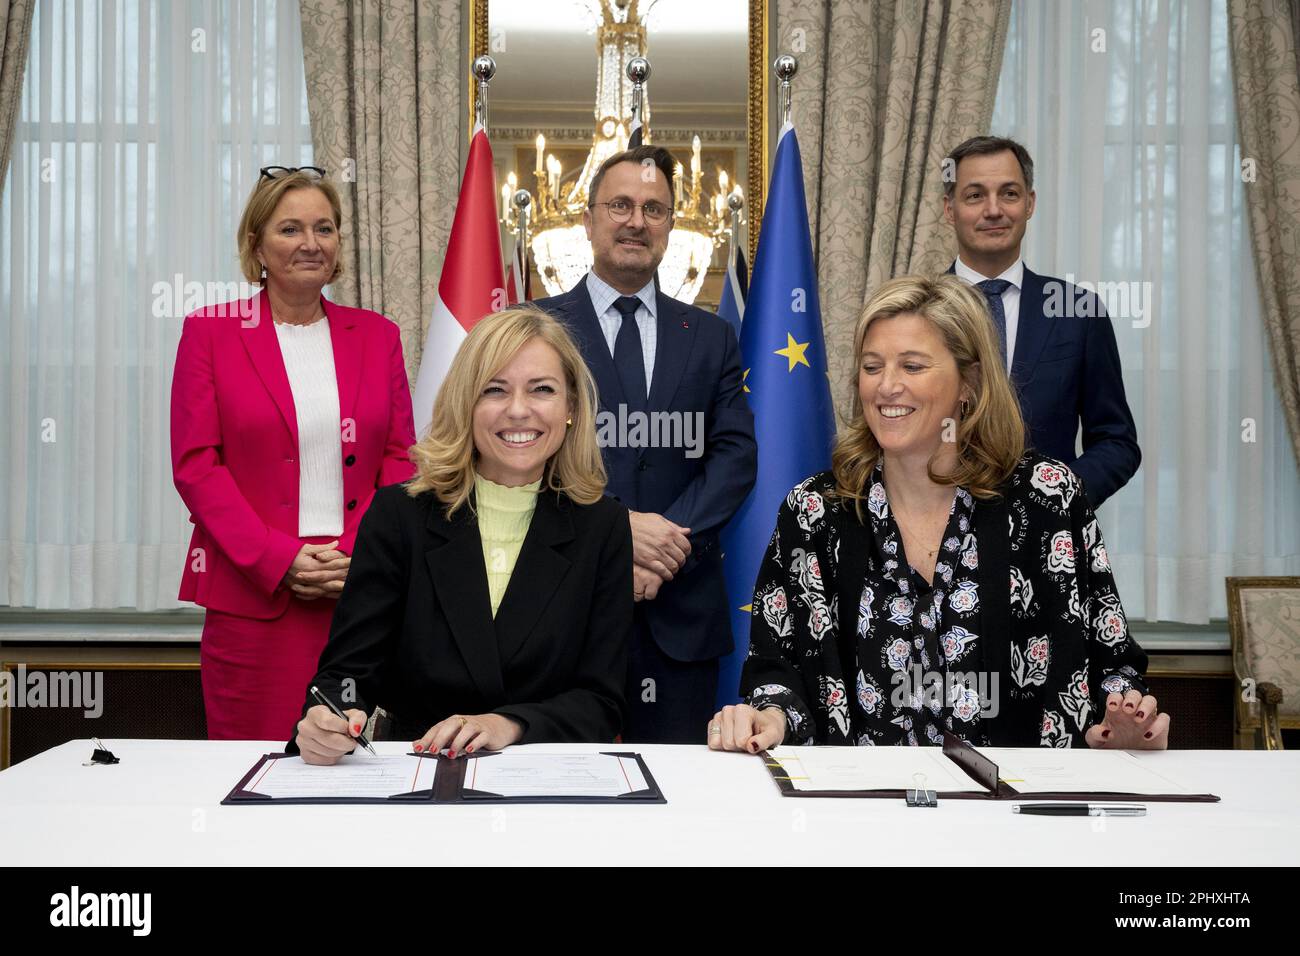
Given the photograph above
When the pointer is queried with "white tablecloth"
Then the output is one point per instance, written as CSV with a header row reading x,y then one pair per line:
x,y
161,806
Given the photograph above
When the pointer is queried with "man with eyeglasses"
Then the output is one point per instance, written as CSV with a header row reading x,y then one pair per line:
x,y
664,370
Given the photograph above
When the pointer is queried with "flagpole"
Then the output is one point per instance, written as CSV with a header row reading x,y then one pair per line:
x,y
522,200
785,66
736,203
484,69
731,305
638,71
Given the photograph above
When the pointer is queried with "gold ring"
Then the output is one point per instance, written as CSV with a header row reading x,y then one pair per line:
x,y
463,721
715,729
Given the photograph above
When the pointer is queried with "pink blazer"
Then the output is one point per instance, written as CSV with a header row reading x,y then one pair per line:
x,y
235,444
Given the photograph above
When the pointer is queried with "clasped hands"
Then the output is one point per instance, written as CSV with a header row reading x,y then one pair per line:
x,y
659,549
324,737
318,570
1130,721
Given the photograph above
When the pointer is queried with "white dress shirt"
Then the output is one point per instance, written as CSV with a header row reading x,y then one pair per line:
x,y
602,300
309,361
1010,297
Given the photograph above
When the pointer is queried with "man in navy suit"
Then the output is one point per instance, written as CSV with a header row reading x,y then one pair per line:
x,y
1058,341
677,438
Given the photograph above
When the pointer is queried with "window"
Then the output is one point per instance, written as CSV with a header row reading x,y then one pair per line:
x,y
142,126
1127,108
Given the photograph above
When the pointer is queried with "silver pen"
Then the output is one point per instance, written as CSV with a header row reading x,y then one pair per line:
x,y
1081,809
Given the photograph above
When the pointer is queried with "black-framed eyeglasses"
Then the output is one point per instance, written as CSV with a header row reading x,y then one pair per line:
x,y
279,172
620,210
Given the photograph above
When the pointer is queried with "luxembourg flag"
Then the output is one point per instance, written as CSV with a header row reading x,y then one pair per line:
x,y
471,285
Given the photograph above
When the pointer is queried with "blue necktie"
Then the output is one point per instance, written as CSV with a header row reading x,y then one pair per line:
x,y
993,289
629,360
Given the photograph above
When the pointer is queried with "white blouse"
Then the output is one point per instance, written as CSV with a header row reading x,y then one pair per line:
x,y
309,360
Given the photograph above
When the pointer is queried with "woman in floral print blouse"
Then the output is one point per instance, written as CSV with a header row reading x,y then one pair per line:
x,y
882,613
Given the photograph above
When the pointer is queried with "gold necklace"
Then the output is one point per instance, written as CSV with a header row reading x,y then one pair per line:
x,y
303,325
906,534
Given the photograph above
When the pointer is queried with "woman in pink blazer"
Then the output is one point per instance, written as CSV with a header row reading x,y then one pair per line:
x,y
288,412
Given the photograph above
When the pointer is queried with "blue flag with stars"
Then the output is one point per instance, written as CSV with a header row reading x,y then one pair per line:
x,y
784,357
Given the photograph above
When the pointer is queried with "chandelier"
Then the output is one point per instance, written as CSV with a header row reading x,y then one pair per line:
x,y
557,240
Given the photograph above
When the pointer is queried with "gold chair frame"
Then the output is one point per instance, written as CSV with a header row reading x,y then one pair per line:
x,y
1256,722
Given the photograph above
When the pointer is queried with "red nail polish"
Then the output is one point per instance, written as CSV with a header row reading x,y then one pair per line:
x,y
1105,733
451,753
356,728
418,748
469,750
1139,714
1147,735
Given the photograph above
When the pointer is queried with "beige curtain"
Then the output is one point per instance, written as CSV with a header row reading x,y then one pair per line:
x,y
384,94
884,90
1267,84
15,29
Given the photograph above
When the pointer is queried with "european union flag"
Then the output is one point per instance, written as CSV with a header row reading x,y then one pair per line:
x,y
784,355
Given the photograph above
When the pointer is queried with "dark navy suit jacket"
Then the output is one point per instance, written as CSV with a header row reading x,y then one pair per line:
x,y
696,370
1066,370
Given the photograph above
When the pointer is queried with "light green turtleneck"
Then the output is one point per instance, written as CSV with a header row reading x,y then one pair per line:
x,y
504,515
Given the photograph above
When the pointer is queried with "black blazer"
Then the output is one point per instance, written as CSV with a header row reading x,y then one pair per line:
x,y
697,370
1067,373
414,627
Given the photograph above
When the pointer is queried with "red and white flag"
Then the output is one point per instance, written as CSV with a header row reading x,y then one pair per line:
x,y
471,285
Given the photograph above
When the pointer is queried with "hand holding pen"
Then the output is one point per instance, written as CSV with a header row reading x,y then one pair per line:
x,y
327,733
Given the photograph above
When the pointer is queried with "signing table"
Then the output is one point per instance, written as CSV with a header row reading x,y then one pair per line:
x,y
161,806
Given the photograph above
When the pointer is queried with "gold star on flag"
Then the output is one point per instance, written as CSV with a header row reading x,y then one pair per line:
x,y
744,378
794,352
747,608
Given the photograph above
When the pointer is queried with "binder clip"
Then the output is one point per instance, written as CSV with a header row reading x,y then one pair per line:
x,y
921,797
101,755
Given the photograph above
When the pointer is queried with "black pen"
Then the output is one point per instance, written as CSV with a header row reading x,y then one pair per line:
x,y
322,699
1081,809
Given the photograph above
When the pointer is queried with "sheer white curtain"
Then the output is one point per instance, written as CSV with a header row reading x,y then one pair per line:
x,y
142,127
1127,109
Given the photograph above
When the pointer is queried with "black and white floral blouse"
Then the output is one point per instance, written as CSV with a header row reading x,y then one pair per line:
x,y
1028,666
